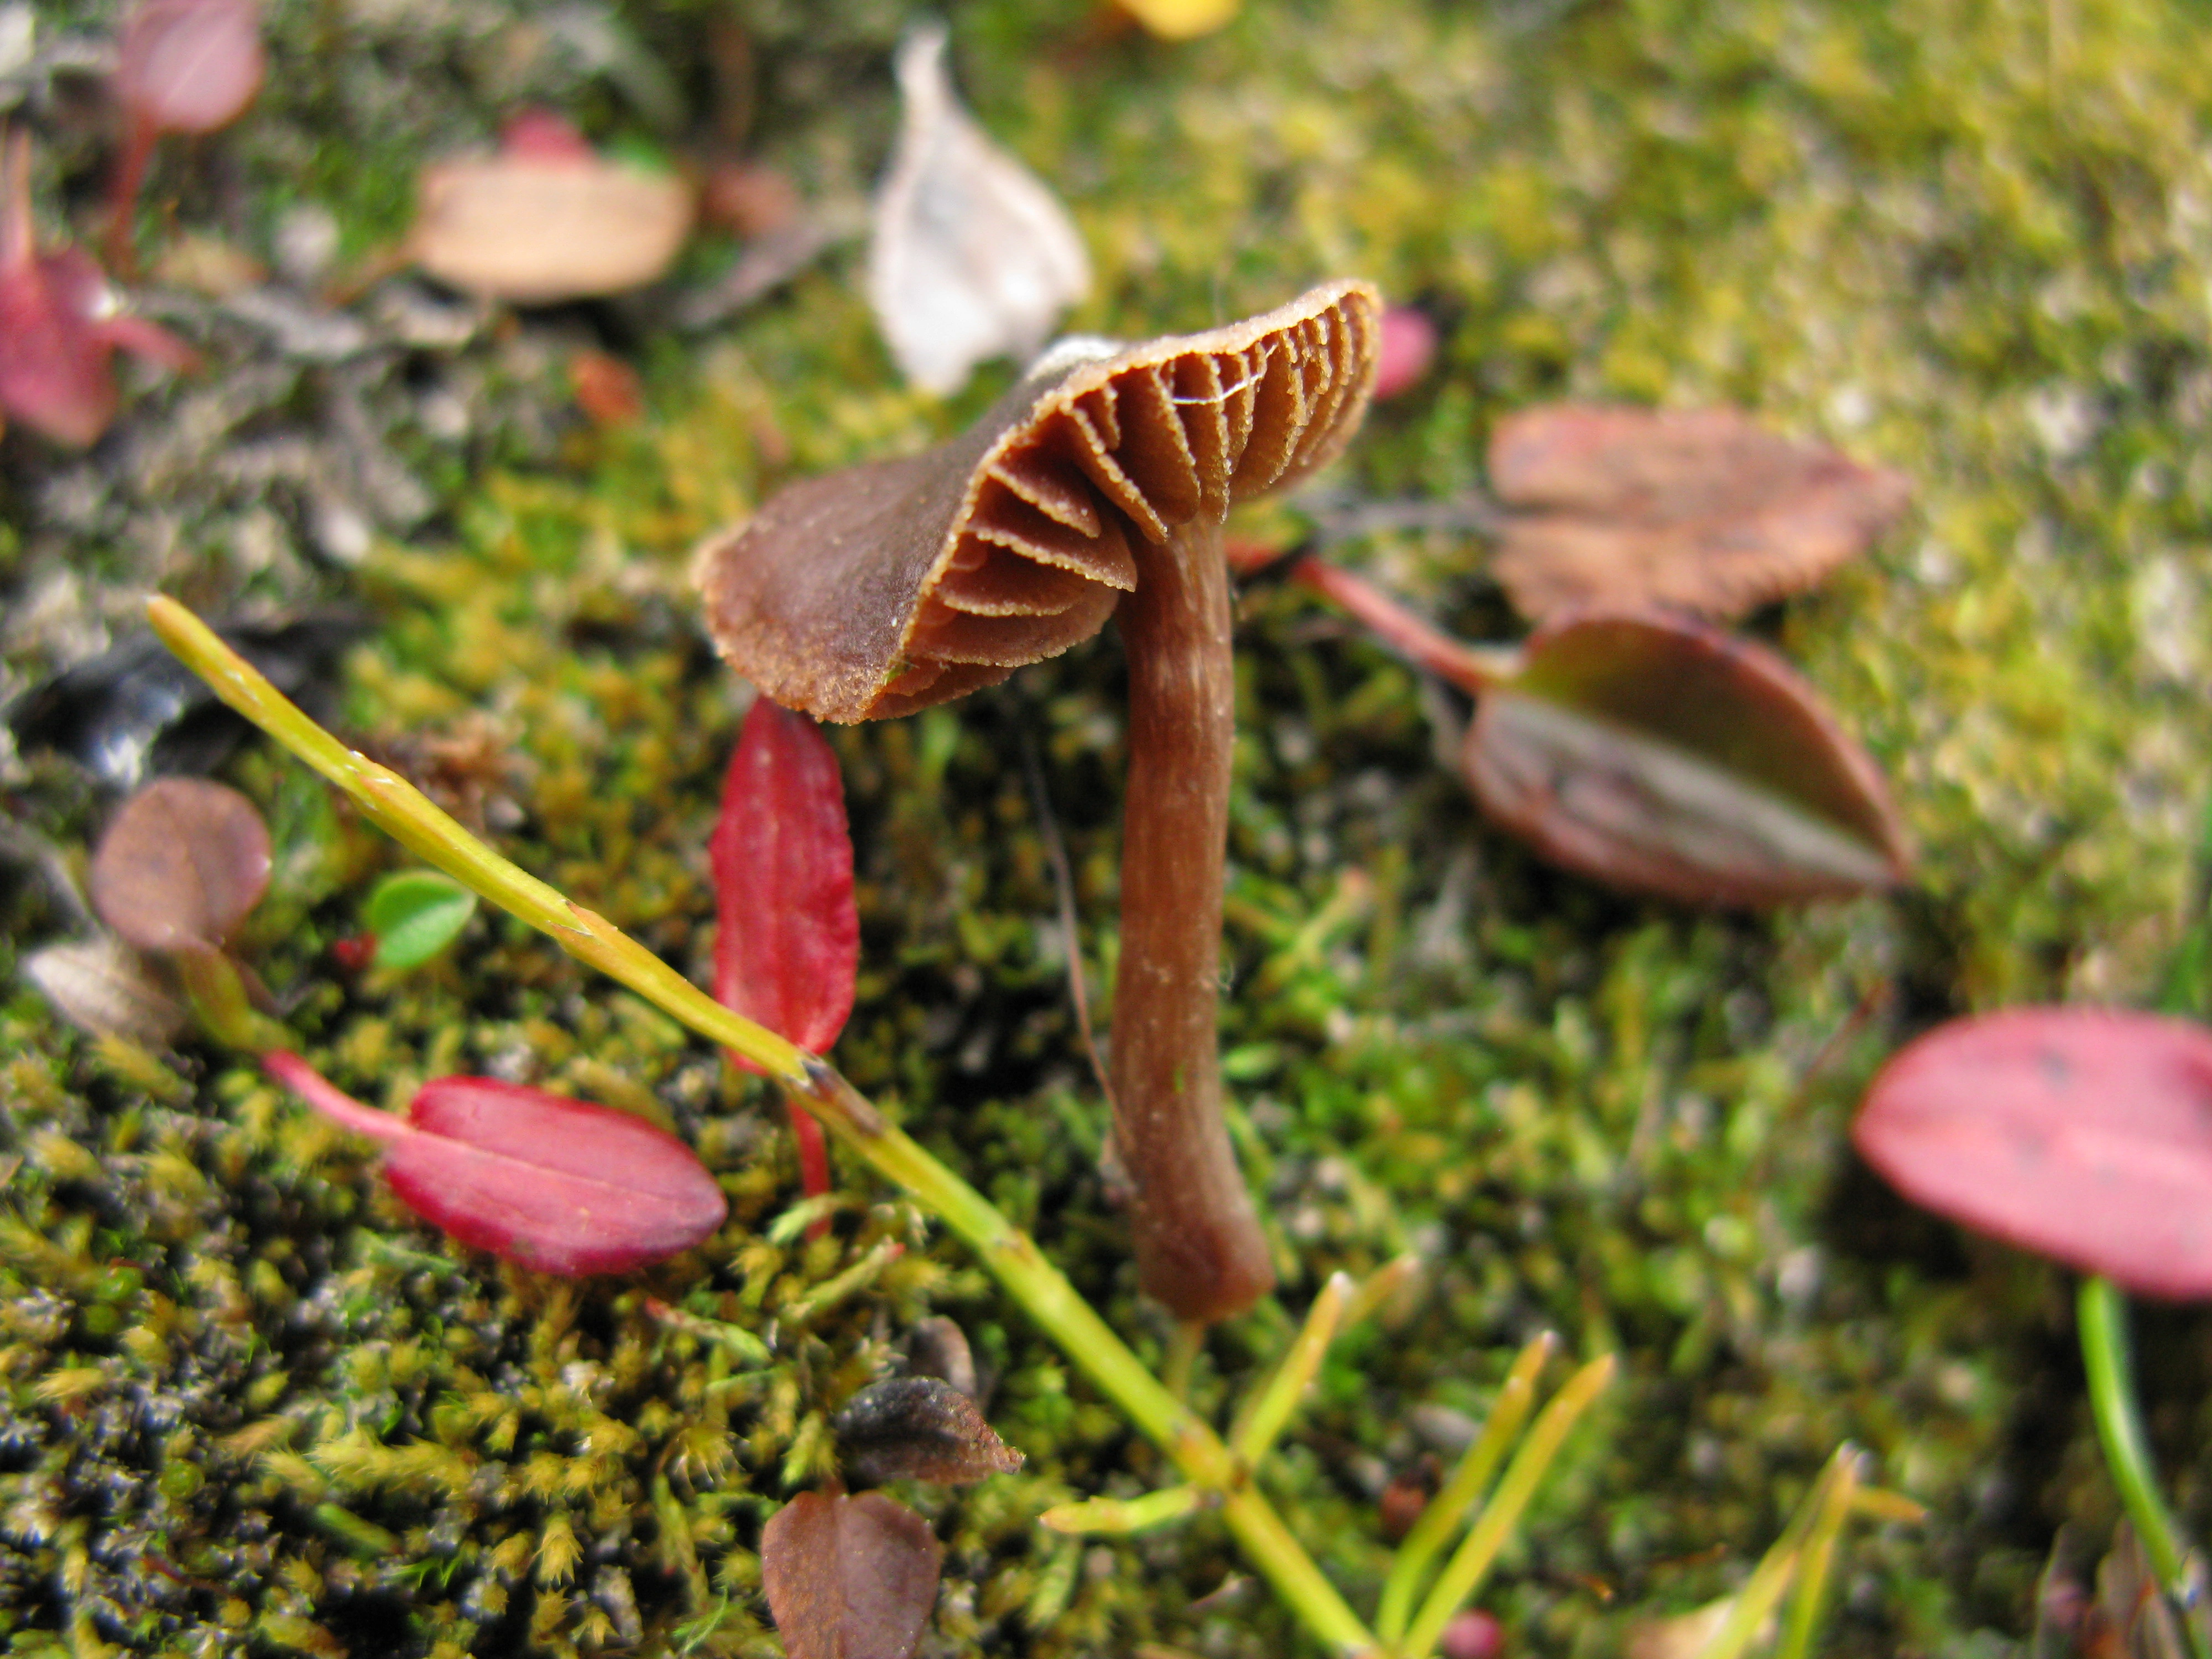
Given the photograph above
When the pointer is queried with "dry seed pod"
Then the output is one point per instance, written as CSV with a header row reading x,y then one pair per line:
x,y
1100,481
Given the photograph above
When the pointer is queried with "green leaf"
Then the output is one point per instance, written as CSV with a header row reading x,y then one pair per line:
x,y
415,914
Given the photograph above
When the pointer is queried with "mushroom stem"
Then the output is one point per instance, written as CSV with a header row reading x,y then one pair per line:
x,y
1200,1249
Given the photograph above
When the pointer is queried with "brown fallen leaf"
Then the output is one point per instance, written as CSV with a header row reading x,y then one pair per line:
x,y
536,226
1705,509
104,987
1663,755
181,866
970,257
849,1578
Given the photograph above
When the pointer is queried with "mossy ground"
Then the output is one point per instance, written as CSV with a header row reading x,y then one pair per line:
x,y
246,1404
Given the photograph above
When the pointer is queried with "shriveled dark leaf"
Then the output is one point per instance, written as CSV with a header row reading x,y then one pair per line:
x,y
104,987
971,257
2132,1617
937,1346
135,709
181,866
787,936
1701,509
2083,1134
189,65
920,1428
561,1186
414,914
849,1578
1663,756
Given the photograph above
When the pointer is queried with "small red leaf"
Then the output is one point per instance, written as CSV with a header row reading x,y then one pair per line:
x,y
1407,353
2082,1135
189,65
181,866
558,1185
849,1578
787,943
59,325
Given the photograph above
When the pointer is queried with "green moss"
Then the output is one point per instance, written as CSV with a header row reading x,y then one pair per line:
x,y
244,1393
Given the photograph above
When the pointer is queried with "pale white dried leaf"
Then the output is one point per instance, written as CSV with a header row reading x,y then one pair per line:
x,y
537,230
104,987
971,256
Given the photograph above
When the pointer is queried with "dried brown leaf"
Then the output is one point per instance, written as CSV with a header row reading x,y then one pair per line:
x,y
1701,509
104,987
1660,754
180,866
535,229
920,1428
971,256
849,1578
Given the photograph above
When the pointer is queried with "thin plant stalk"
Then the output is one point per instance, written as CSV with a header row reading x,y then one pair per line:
x,y
1814,1566
1012,1256
1270,1410
2101,1312
1472,669
1463,1574
1120,1516
1516,1397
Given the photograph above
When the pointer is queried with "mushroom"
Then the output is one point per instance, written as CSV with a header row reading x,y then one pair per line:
x,y
1101,480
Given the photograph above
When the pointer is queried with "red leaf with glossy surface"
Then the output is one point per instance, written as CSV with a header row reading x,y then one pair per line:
x,y
189,65
558,1185
787,940
182,865
1663,755
849,1578
2082,1134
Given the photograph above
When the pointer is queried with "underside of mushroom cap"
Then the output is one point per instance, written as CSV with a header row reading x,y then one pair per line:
x,y
892,586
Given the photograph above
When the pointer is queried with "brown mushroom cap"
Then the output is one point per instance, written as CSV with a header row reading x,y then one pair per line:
x,y
888,586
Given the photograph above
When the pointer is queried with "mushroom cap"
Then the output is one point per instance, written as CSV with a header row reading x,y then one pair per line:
x,y
889,587
2084,1134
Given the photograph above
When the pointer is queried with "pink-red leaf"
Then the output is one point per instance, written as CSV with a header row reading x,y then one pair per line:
x,y
2082,1135
787,941
1704,509
558,1185
59,324
182,865
189,65
849,1578
1663,755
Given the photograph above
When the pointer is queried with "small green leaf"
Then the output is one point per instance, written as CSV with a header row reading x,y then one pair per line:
x,y
415,915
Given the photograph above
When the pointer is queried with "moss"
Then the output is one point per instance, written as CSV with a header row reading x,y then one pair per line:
x,y
247,1401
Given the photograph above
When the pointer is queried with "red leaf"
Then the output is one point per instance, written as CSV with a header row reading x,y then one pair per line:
x,y
189,65
2082,1135
849,1578
788,942
59,326
558,1185
182,865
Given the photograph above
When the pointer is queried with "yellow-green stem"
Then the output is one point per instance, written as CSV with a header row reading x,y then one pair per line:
x,y
396,807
